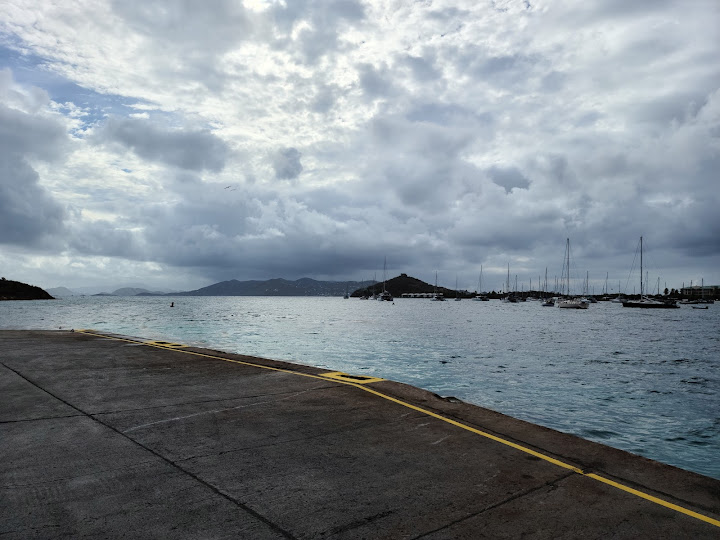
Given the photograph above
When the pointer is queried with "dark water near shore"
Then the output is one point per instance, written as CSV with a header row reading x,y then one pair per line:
x,y
645,381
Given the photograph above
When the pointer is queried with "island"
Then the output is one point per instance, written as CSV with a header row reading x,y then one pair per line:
x,y
15,290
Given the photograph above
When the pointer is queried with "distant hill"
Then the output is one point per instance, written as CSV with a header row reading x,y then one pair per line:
x,y
129,291
62,291
402,284
310,287
15,290
277,287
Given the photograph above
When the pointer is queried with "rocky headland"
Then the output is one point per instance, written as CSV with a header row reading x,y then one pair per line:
x,y
15,290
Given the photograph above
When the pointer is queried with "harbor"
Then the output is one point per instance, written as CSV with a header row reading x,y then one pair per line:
x,y
106,435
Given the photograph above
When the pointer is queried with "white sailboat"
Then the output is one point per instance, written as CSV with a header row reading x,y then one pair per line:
x,y
479,296
570,302
385,295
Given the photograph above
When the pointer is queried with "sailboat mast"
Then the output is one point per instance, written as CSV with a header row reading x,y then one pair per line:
x,y
384,269
641,269
568,266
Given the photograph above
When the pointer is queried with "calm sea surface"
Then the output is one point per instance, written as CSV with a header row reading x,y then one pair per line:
x,y
645,381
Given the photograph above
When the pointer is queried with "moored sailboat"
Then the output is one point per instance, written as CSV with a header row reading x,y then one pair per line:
x,y
480,297
437,297
385,295
645,301
570,302
510,297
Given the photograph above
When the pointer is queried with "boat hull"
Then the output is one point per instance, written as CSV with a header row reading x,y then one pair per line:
x,y
573,304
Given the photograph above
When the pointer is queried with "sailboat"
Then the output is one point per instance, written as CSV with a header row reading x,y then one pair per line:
x,y
570,302
480,297
457,293
510,298
645,301
549,301
437,297
385,295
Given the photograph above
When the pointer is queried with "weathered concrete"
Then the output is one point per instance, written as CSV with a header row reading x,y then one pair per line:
x,y
110,438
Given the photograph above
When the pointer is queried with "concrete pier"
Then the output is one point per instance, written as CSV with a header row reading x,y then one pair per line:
x,y
108,437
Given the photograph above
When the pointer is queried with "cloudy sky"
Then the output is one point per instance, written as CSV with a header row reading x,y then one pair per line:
x,y
176,144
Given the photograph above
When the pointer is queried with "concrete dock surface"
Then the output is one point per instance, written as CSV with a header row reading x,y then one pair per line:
x,y
104,436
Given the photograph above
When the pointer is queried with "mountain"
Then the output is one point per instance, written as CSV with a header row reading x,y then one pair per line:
x,y
15,290
129,291
59,292
102,290
277,287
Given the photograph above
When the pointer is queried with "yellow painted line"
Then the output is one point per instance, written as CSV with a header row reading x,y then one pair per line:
x,y
165,344
337,376
650,498
357,379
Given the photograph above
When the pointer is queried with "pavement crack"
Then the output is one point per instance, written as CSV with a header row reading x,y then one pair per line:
x,y
511,498
357,523
21,420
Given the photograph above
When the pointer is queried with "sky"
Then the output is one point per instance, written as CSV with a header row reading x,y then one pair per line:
x,y
176,144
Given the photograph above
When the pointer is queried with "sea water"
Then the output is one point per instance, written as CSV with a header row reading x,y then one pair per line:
x,y
645,381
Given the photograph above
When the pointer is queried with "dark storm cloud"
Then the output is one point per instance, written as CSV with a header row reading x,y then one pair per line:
x,y
192,150
28,214
508,177
286,163
26,134
105,239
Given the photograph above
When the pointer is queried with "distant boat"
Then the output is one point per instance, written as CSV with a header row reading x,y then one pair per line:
x,y
700,307
645,301
549,302
480,297
385,295
457,293
346,296
510,298
571,302
437,297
